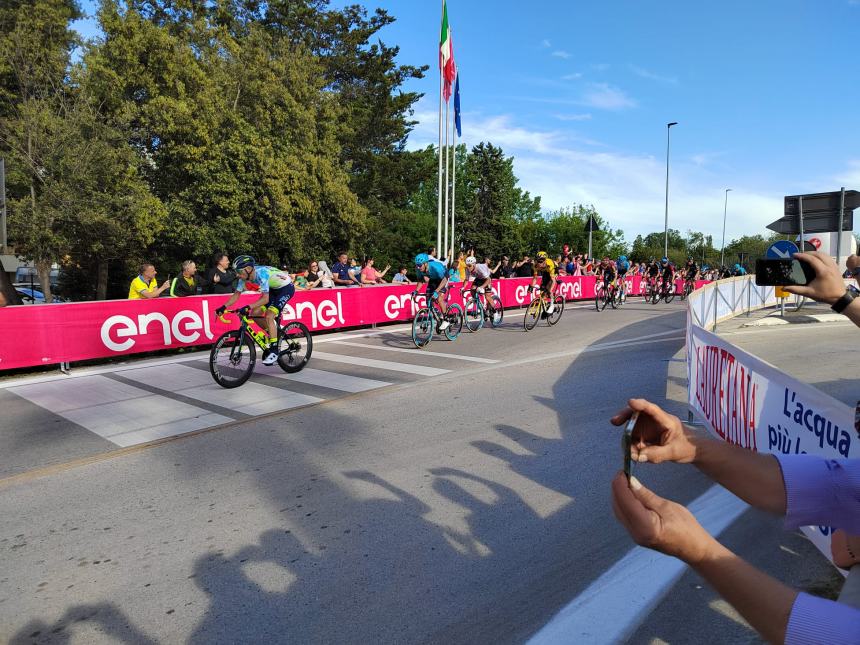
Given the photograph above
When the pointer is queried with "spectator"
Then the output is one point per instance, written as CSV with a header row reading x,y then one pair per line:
x,y
3,301
461,264
301,281
524,268
805,488
505,269
400,277
341,274
187,283
431,253
853,267
313,276
144,285
370,275
220,278
325,275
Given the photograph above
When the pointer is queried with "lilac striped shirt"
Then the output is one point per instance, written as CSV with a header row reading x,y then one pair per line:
x,y
822,492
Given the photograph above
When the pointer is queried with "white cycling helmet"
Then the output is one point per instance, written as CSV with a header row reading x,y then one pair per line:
x,y
471,261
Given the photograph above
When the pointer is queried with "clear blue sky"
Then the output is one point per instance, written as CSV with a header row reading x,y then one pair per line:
x,y
765,93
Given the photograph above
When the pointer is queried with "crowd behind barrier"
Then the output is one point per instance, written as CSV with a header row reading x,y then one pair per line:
x,y
68,332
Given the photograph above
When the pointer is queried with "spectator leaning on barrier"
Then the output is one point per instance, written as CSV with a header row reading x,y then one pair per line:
x,y
314,276
401,277
369,275
341,274
220,277
187,283
505,269
144,285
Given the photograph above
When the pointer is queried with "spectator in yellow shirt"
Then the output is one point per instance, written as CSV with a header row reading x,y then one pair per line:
x,y
144,285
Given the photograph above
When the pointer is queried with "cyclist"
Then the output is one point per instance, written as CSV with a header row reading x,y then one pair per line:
x,y
275,288
546,271
479,275
607,272
691,270
667,273
652,273
435,275
622,266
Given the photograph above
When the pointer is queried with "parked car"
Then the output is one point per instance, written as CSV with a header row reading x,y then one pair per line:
x,y
30,296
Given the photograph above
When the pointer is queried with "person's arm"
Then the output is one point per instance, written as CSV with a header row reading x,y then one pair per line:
x,y
828,285
230,301
670,528
379,275
155,293
658,437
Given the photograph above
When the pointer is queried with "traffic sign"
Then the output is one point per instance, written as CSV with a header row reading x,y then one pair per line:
x,y
819,222
781,249
591,224
821,202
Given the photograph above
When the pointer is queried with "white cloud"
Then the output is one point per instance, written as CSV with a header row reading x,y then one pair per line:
x,y
607,97
572,77
560,53
546,44
626,188
652,76
573,117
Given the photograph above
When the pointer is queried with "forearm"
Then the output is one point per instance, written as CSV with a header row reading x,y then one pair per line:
x,y
764,602
752,476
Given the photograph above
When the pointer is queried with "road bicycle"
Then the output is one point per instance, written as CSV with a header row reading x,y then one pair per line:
x,y
481,308
665,290
234,354
537,309
604,295
689,287
620,293
650,290
428,318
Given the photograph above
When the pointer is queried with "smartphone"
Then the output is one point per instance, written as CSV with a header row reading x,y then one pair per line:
x,y
627,442
782,272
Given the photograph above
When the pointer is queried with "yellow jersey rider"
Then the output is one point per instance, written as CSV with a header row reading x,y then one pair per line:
x,y
275,288
546,270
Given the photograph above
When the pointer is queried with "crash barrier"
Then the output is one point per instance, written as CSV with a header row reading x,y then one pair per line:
x,y
746,401
66,332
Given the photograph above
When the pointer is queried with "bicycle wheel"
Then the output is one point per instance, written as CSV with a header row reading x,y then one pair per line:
x,y
454,316
422,327
655,297
611,297
498,312
474,311
670,294
530,320
231,361
295,345
555,316
599,300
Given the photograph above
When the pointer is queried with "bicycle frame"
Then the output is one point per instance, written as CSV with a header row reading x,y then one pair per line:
x,y
247,326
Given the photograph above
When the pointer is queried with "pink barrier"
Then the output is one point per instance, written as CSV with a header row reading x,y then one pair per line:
x,y
62,333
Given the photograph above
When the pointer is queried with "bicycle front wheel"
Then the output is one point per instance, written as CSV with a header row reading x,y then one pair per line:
x,y
532,314
295,345
670,294
454,316
231,361
474,314
555,316
422,327
498,312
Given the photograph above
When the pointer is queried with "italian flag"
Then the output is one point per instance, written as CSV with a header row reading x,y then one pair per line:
x,y
446,54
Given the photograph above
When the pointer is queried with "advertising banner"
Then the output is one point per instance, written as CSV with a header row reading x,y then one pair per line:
x,y
747,402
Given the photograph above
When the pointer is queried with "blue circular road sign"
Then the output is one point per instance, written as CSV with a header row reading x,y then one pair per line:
x,y
781,249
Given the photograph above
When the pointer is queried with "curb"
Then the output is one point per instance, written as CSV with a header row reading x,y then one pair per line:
x,y
775,319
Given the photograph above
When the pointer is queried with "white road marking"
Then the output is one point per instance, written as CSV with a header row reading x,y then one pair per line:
x,y
420,370
417,352
614,605
333,380
120,413
251,398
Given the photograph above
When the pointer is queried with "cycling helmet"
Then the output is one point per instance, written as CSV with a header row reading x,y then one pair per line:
x,y
243,261
622,258
541,256
664,260
421,258
471,261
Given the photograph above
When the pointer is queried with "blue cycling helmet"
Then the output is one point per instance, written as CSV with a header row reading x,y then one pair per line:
x,y
421,258
664,260
622,258
243,261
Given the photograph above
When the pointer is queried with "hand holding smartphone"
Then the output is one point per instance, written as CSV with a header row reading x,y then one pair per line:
x,y
627,442
783,272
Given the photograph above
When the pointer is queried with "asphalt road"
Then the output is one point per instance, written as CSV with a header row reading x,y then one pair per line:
x,y
464,507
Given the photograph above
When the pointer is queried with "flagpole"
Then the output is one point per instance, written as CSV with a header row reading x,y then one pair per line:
x,y
454,190
439,199
447,178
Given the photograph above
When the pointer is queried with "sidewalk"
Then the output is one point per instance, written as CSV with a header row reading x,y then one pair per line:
x,y
811,312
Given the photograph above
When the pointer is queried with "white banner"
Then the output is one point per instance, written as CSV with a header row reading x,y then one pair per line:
x,y
747,402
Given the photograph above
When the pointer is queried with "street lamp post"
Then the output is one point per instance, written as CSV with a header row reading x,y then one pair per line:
x,y
666,218
723,245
